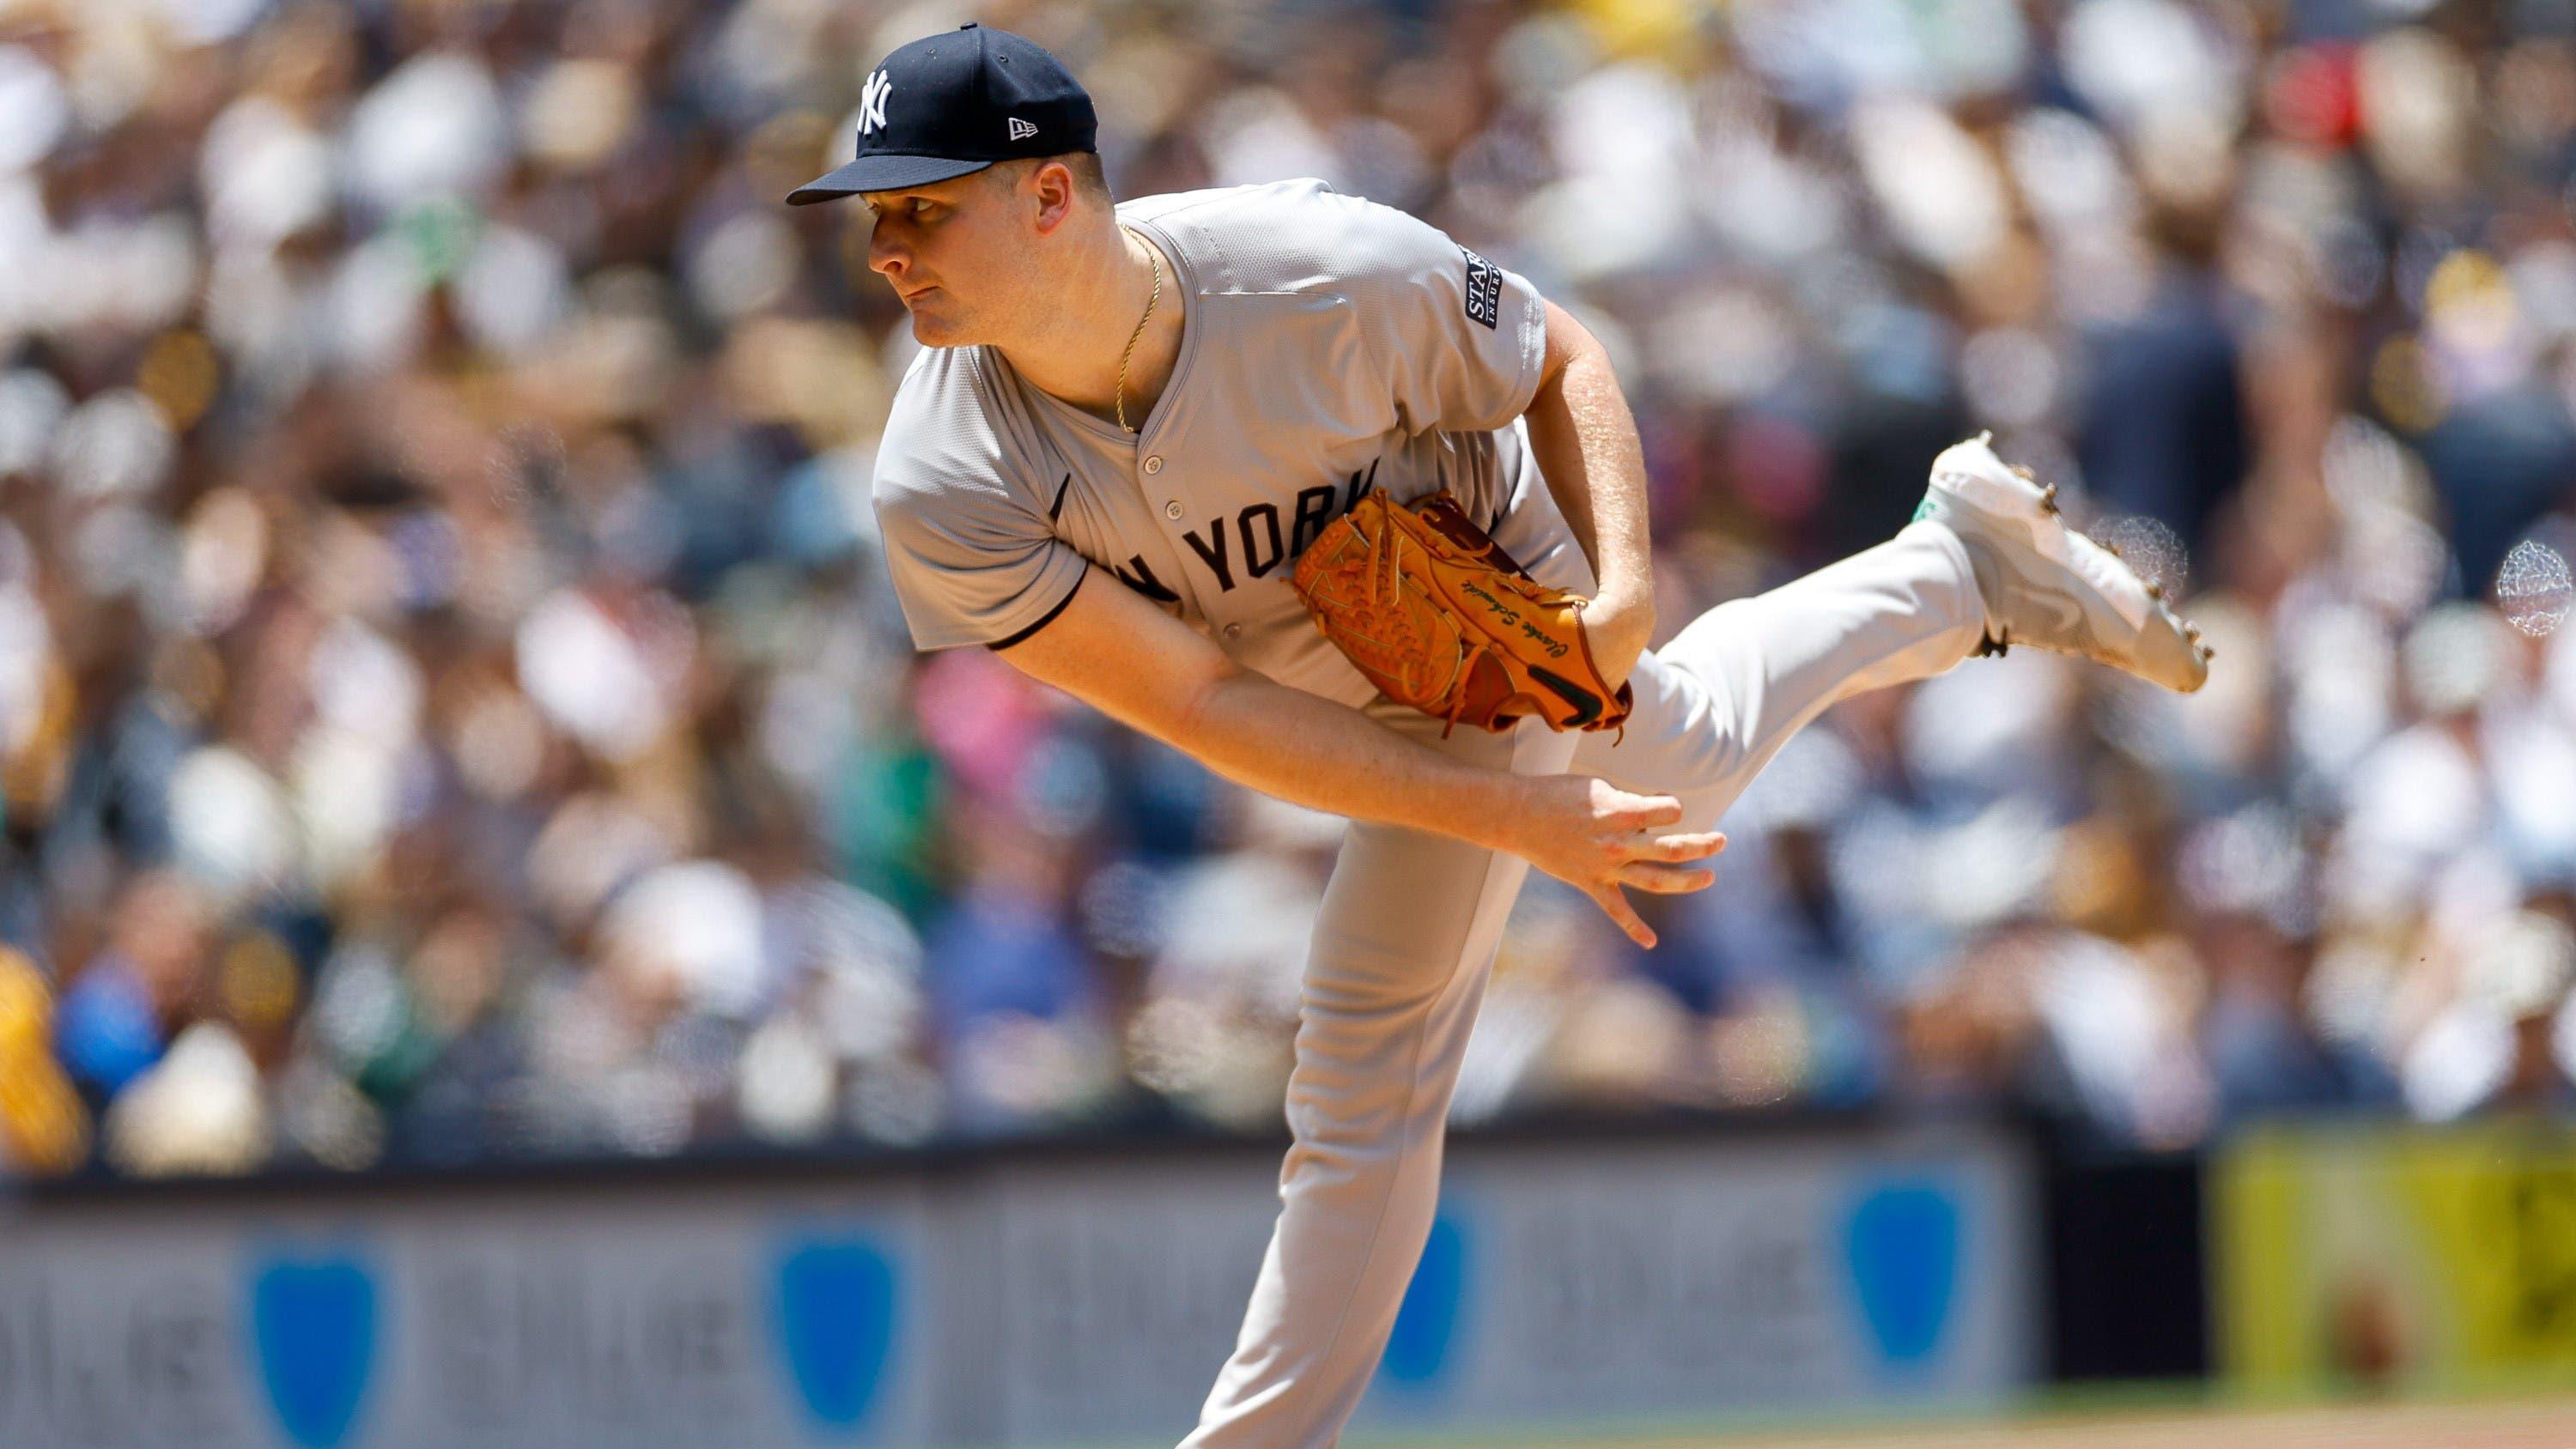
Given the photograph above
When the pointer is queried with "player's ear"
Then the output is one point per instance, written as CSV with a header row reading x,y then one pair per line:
x,y
1053,188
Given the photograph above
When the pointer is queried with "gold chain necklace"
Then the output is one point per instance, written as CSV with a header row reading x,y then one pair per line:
x,y
1120,396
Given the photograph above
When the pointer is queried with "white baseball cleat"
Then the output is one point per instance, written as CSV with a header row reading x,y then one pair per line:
x,y
2048,586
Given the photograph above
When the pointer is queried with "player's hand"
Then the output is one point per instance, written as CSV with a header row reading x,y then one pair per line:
x,y
1600,839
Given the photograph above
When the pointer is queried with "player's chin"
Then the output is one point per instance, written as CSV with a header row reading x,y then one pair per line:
x,y
933,326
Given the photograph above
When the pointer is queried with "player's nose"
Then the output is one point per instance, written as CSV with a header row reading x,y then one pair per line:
x,y
886,258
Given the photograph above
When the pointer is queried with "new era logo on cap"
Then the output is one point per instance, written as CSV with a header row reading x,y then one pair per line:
x,y
971,96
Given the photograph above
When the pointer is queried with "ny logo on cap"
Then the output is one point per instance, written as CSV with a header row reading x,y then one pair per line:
x,y
1021,130
872,102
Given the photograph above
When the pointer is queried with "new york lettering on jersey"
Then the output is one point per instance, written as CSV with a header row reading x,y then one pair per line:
x,y
1262,541
1135,572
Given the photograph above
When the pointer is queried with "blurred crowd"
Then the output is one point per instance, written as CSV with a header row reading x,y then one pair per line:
x,y
451,708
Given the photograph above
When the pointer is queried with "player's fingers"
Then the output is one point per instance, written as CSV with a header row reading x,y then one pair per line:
x,y
1665,880
1678,848
1617,908
1641,812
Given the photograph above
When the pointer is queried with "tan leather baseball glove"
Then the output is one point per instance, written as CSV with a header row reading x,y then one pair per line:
x,y
1439,617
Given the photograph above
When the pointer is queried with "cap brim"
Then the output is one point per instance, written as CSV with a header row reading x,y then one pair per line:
x,y
881,173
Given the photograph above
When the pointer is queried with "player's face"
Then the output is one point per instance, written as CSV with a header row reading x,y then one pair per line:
x,y
948,252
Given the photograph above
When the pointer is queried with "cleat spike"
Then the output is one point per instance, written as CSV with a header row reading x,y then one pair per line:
x,y
2048,498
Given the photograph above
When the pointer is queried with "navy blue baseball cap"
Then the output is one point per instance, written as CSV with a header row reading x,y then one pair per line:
x,y
955,103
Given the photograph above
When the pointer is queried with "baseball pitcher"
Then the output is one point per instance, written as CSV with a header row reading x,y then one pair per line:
x,y
1295,483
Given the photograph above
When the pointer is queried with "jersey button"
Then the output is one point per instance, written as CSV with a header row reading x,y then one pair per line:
x,y
1172,509
1234,631
1153,465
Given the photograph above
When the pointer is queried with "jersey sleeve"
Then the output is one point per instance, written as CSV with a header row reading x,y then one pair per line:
x,y
973,559
1463,341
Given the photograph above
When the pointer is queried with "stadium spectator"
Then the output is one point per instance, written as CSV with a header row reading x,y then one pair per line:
x,y
450,707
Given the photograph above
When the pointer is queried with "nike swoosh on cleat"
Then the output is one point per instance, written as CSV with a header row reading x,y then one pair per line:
x,y
2063,616
2067,615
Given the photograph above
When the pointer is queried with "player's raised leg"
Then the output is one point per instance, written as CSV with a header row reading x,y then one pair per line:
x,y
1986,562
1401,951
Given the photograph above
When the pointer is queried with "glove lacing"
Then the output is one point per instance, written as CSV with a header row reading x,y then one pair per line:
x,y
1389,581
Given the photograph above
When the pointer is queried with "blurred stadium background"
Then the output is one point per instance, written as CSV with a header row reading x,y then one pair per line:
x,y
501,942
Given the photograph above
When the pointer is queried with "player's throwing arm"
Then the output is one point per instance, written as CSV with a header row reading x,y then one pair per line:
x,y
1117,652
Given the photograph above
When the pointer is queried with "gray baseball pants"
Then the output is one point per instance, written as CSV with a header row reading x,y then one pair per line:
x,y
1408,931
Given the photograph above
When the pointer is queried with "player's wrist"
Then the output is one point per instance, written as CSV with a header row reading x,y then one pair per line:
x,y
1618,625
1500,810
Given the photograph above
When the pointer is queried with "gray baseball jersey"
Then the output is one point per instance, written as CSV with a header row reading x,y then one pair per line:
x,y
1329,345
